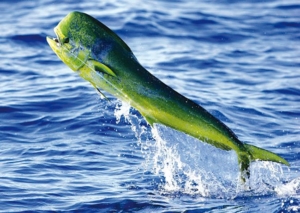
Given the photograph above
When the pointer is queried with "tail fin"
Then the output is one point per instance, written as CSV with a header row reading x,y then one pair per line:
x,y
262,154
255,153
244,163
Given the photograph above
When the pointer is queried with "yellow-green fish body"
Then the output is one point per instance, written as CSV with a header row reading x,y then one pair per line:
x,y
102,58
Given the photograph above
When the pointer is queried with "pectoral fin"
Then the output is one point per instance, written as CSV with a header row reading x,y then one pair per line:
x,y
102,68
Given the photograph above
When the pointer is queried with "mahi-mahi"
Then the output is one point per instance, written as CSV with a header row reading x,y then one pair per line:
x,y
101,57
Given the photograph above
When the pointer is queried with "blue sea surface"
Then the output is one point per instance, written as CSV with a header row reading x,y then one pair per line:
x,y
64,149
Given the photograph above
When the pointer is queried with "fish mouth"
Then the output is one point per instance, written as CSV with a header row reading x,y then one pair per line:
x,y
58,44
54,40
57,39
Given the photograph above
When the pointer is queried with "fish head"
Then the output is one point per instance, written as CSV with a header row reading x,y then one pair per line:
x,y
93,50
82,40
67,45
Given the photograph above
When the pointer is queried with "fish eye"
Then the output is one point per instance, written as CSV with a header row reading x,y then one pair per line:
x,y
65,40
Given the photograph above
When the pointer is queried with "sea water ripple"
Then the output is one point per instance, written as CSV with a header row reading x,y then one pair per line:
x,y
63,149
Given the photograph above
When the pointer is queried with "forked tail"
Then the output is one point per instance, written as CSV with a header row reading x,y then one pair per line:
x,y
255,153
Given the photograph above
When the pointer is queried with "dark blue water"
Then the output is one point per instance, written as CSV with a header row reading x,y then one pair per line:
x,y
63,149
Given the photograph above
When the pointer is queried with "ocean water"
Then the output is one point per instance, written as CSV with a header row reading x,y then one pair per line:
x,y
64,149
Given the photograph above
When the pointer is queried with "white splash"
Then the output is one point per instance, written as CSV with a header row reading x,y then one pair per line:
x,y
188,166
290,188
192,167
123,109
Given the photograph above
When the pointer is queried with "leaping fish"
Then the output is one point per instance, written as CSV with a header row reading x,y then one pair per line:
x,y
101,57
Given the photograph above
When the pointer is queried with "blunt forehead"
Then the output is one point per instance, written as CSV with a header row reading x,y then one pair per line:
x,y
82,26
81,22
86,31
